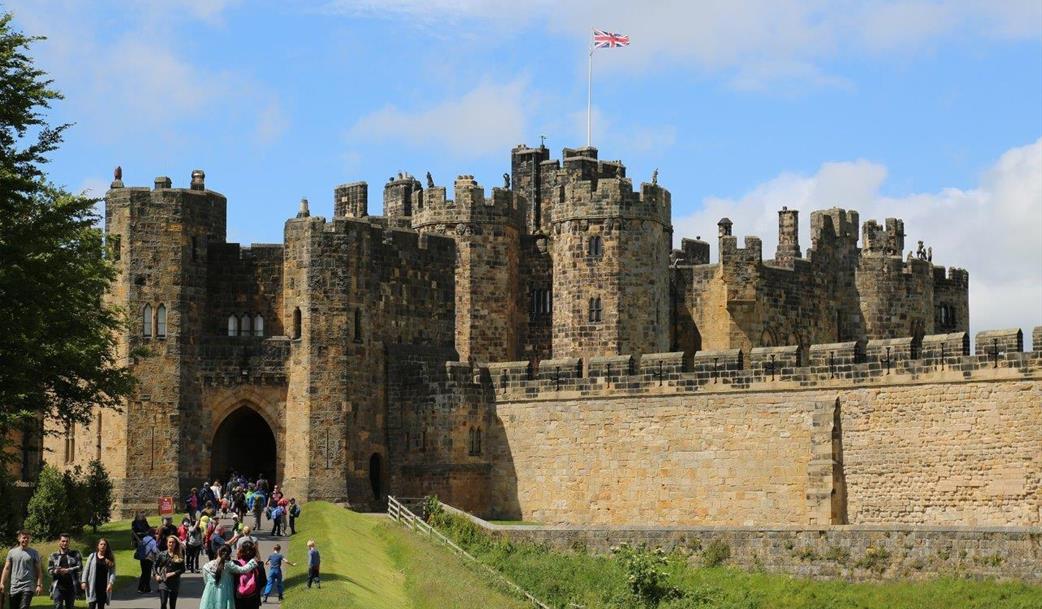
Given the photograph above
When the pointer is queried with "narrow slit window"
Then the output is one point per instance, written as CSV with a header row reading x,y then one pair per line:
x,y
161,321
245,327
233,325
595,247
146,321
258,326
358,325
296,322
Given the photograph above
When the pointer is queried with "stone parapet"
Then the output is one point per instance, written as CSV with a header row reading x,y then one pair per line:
x,y
994,342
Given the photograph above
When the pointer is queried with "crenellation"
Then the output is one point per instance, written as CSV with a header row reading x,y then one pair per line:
x,y
997,342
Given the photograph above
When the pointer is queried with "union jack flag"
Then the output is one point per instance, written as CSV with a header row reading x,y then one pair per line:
x,y
607,40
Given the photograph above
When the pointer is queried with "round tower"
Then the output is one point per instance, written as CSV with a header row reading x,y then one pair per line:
x,y
610,248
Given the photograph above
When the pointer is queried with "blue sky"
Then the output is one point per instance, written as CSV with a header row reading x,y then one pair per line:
x,y
925,110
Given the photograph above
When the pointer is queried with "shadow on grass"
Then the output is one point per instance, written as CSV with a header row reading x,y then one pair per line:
x,y
301,579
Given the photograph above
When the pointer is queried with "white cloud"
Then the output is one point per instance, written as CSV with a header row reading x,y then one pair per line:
x,y
994,231
756,43
487,119
136,78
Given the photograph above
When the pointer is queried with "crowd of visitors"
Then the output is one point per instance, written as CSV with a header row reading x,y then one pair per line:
x,y
234,576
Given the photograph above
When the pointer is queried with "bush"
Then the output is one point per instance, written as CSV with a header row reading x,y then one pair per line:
x,y
98,489
431,508
716,553
645,574
74,491
49,507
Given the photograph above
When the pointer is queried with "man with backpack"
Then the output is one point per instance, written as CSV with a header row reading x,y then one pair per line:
x,y
146,552
294,512
249,584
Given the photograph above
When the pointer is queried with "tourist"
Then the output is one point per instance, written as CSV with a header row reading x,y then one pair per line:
x,y
64,567
216,488
145,555
138,527
257,508
294,512
250,583
193,546
314,562
274,562
24,572
167,529
243,538
277,514
99,574
219,582
170,564
262,484
217,540
192,504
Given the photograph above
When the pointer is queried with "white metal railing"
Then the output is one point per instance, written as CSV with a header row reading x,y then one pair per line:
x,y
402,515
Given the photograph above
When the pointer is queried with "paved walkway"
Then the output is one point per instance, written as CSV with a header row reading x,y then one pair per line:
x,y
192,583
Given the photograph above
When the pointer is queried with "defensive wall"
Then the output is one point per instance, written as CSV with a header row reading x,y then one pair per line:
x,y
857,552
863,434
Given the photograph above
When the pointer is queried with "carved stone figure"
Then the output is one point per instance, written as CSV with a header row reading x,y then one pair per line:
x,y
654,177
430,180
506,181
118,174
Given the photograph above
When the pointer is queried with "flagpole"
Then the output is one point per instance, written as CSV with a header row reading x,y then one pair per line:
x,y
589,100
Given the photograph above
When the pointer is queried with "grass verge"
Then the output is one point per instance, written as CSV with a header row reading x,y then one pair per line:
x,y
368,562
118,535
601,582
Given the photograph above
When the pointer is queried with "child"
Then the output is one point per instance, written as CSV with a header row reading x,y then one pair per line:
x,y
274,562
314,562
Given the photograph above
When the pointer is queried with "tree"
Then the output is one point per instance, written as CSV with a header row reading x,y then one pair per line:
x,y
98,489
57,335
49,507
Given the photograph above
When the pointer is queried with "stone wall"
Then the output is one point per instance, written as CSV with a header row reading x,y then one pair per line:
x,y
954,442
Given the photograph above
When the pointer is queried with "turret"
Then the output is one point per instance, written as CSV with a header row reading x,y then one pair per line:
x,y
610,248
788,237
398,195
526,182
351,200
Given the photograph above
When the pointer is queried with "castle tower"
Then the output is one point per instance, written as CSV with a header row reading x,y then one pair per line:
x,y
896,296
526,180
398,194
160,240
351,200
487,233
610,248
788,237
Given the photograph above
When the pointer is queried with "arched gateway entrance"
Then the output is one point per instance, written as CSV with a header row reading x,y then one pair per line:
x,y
244,442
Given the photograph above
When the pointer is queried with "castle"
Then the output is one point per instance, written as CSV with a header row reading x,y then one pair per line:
x,y
542,352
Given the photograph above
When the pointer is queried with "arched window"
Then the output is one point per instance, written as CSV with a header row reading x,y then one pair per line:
x,y
358,325
477,441
161,321
258,326
233,325
245,327
296,322
146,321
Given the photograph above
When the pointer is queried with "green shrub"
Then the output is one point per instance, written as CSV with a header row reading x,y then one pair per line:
x,y
645,574
837,554
98,489
431,509
49,508
806,553
716,553
875,559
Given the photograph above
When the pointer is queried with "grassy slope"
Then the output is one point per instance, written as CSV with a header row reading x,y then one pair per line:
x,y
118,535
598,582
369,562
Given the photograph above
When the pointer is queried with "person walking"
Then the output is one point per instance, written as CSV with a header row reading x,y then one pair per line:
x,y
166,530
217,541
219,580
99,573
294,512
249,584
170,565
314,564
138,528
146,554
192,504
22,569
64,567
193,546
243,538
277,514
274,562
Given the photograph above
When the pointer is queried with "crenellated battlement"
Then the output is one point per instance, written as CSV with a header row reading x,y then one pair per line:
x,y
934,358
379,232
611,197
833,225
471,206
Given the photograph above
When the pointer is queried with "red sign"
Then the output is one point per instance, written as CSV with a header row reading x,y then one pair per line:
x,y
166,506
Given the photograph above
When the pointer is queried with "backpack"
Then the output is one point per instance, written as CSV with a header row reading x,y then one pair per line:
x,y
248,585
295,510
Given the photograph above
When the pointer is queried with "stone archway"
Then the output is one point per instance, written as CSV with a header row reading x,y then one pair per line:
x,y
244,442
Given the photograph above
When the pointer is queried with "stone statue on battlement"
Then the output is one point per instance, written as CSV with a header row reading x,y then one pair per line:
x,y
654,177
506,181
920,251
430,180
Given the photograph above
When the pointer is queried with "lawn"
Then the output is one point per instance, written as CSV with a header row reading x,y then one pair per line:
x,y
369,562
600,582
118,535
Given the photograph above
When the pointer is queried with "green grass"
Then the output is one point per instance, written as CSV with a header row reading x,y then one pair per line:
x,y
600,582
369,562
118,535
